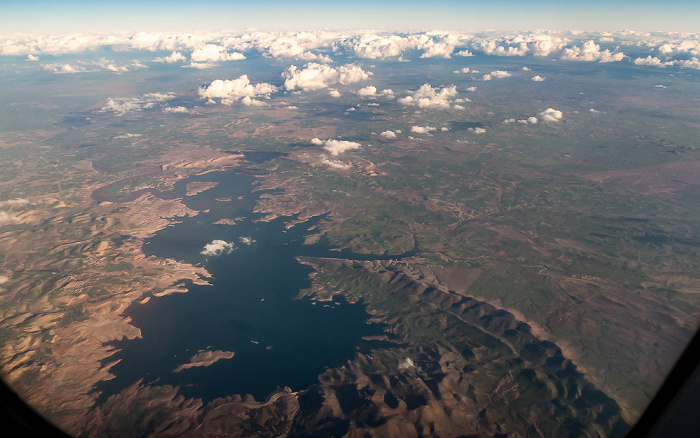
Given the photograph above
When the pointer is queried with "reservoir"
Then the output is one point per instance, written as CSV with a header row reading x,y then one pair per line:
x,y
250,309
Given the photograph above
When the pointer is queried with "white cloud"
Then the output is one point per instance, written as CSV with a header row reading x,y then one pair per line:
x,y
229,91
368,91
4,279
13,202
336,147
537,78
217,248
654,61
126,136
315,76
464,53
551,115
31,57
92,66
423,129
123,105
471,89
177,109
500,74
214,53
63,68
173,57
334,93
590,51
406,364
532,120
486,77
388,134
429,97
336,164
526,69
462,70
246,240
477,130
7,217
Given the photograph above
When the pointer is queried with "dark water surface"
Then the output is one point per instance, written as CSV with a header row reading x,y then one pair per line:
x,y
250,308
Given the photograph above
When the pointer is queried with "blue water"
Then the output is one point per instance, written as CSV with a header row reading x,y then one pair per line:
x,y
250,308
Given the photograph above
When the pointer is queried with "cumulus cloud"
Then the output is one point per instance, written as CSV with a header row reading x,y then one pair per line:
x,y
429,97
336,164
92,66
214,53
7,217
336,147
177,109
532,120
334,93
217,248
500,74
127,136
368,91
14,202
31,57
551,115
462,70
423,129
652,60
229,91
590,51
537,78
123,105
246,240
315,76
406,364
63,68
173,57
477,130
464,53
388,134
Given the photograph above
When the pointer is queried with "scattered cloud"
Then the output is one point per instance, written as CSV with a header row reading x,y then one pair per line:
x,y
217,248
537,78
500,74
127,136
14,202
388,134
214,53
177,109
551,115
229,91
336,147
173,57
462,70
334,93
246,240
31,57
653,61
123,105
336,164
423,129
315,76
429,97
590,51
368,91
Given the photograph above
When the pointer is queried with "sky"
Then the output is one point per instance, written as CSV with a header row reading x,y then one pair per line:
x,y
67,16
